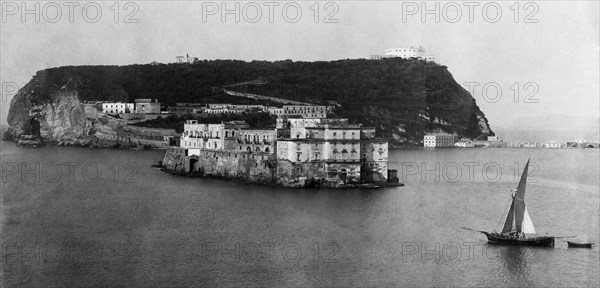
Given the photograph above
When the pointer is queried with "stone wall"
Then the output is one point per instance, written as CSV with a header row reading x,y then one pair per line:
x,y
243,166
254,168
176,161
303,174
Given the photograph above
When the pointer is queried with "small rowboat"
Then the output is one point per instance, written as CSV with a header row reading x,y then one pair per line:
x,y
579,245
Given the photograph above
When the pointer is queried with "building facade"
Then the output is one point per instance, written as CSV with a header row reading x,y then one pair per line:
x,y
186,59
147,106
349,152
554,144
254,140
438,140
327,151
187,108
229,136
117,108
305,111
405,53
465,143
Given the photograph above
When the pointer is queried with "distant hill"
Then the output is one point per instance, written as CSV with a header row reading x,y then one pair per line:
x,y
558,122
551,127
402,98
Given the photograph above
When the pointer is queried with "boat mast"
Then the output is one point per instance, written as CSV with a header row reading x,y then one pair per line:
x,y
515,216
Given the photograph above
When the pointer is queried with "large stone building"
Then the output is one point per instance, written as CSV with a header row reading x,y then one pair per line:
x,y
323,152
438,140
147,106
231,136
305,111
255,140
349,151
405,53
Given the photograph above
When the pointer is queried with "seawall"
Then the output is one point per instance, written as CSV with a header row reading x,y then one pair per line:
x,y
242,166
260,168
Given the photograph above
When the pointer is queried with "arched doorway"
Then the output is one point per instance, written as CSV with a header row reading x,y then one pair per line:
x,y
192,164
343,175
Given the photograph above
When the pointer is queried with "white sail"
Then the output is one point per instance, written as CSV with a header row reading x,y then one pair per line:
x,y
527,225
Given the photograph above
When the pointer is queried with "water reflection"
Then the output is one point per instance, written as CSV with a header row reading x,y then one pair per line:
x,y
515,262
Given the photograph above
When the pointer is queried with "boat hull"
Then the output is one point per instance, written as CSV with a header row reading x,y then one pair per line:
x,y
578,245
543,241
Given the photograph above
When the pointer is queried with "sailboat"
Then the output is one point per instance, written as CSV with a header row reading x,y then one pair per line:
x,y
518,228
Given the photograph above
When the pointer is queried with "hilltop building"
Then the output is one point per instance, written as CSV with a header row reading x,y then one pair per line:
x,y
186,59
405,53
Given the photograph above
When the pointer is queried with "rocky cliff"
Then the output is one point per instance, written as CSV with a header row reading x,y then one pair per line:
x,y
402,98
61,118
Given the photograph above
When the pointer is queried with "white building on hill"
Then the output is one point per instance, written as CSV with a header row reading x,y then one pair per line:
x,y
405,53
117,108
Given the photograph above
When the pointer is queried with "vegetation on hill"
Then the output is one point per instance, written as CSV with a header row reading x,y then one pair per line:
x,y
403,98
254,120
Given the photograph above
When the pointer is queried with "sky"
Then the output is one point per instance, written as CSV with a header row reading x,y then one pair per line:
x,y
543,57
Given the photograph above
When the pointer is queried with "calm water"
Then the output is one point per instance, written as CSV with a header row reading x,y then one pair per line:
x,y
136,226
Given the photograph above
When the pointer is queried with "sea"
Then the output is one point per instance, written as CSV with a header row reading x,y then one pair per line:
x,y
81,217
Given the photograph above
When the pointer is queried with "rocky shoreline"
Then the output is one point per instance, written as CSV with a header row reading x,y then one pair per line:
x,y
264,170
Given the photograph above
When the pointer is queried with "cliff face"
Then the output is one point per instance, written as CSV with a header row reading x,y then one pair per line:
x,y
403,99
62,120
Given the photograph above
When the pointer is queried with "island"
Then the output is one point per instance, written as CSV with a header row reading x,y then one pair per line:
x,y
300,124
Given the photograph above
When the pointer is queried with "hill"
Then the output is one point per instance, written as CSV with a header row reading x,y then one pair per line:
x,y
402,98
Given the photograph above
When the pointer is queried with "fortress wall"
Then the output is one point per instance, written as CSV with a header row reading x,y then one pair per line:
x,y
250,167
260,168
